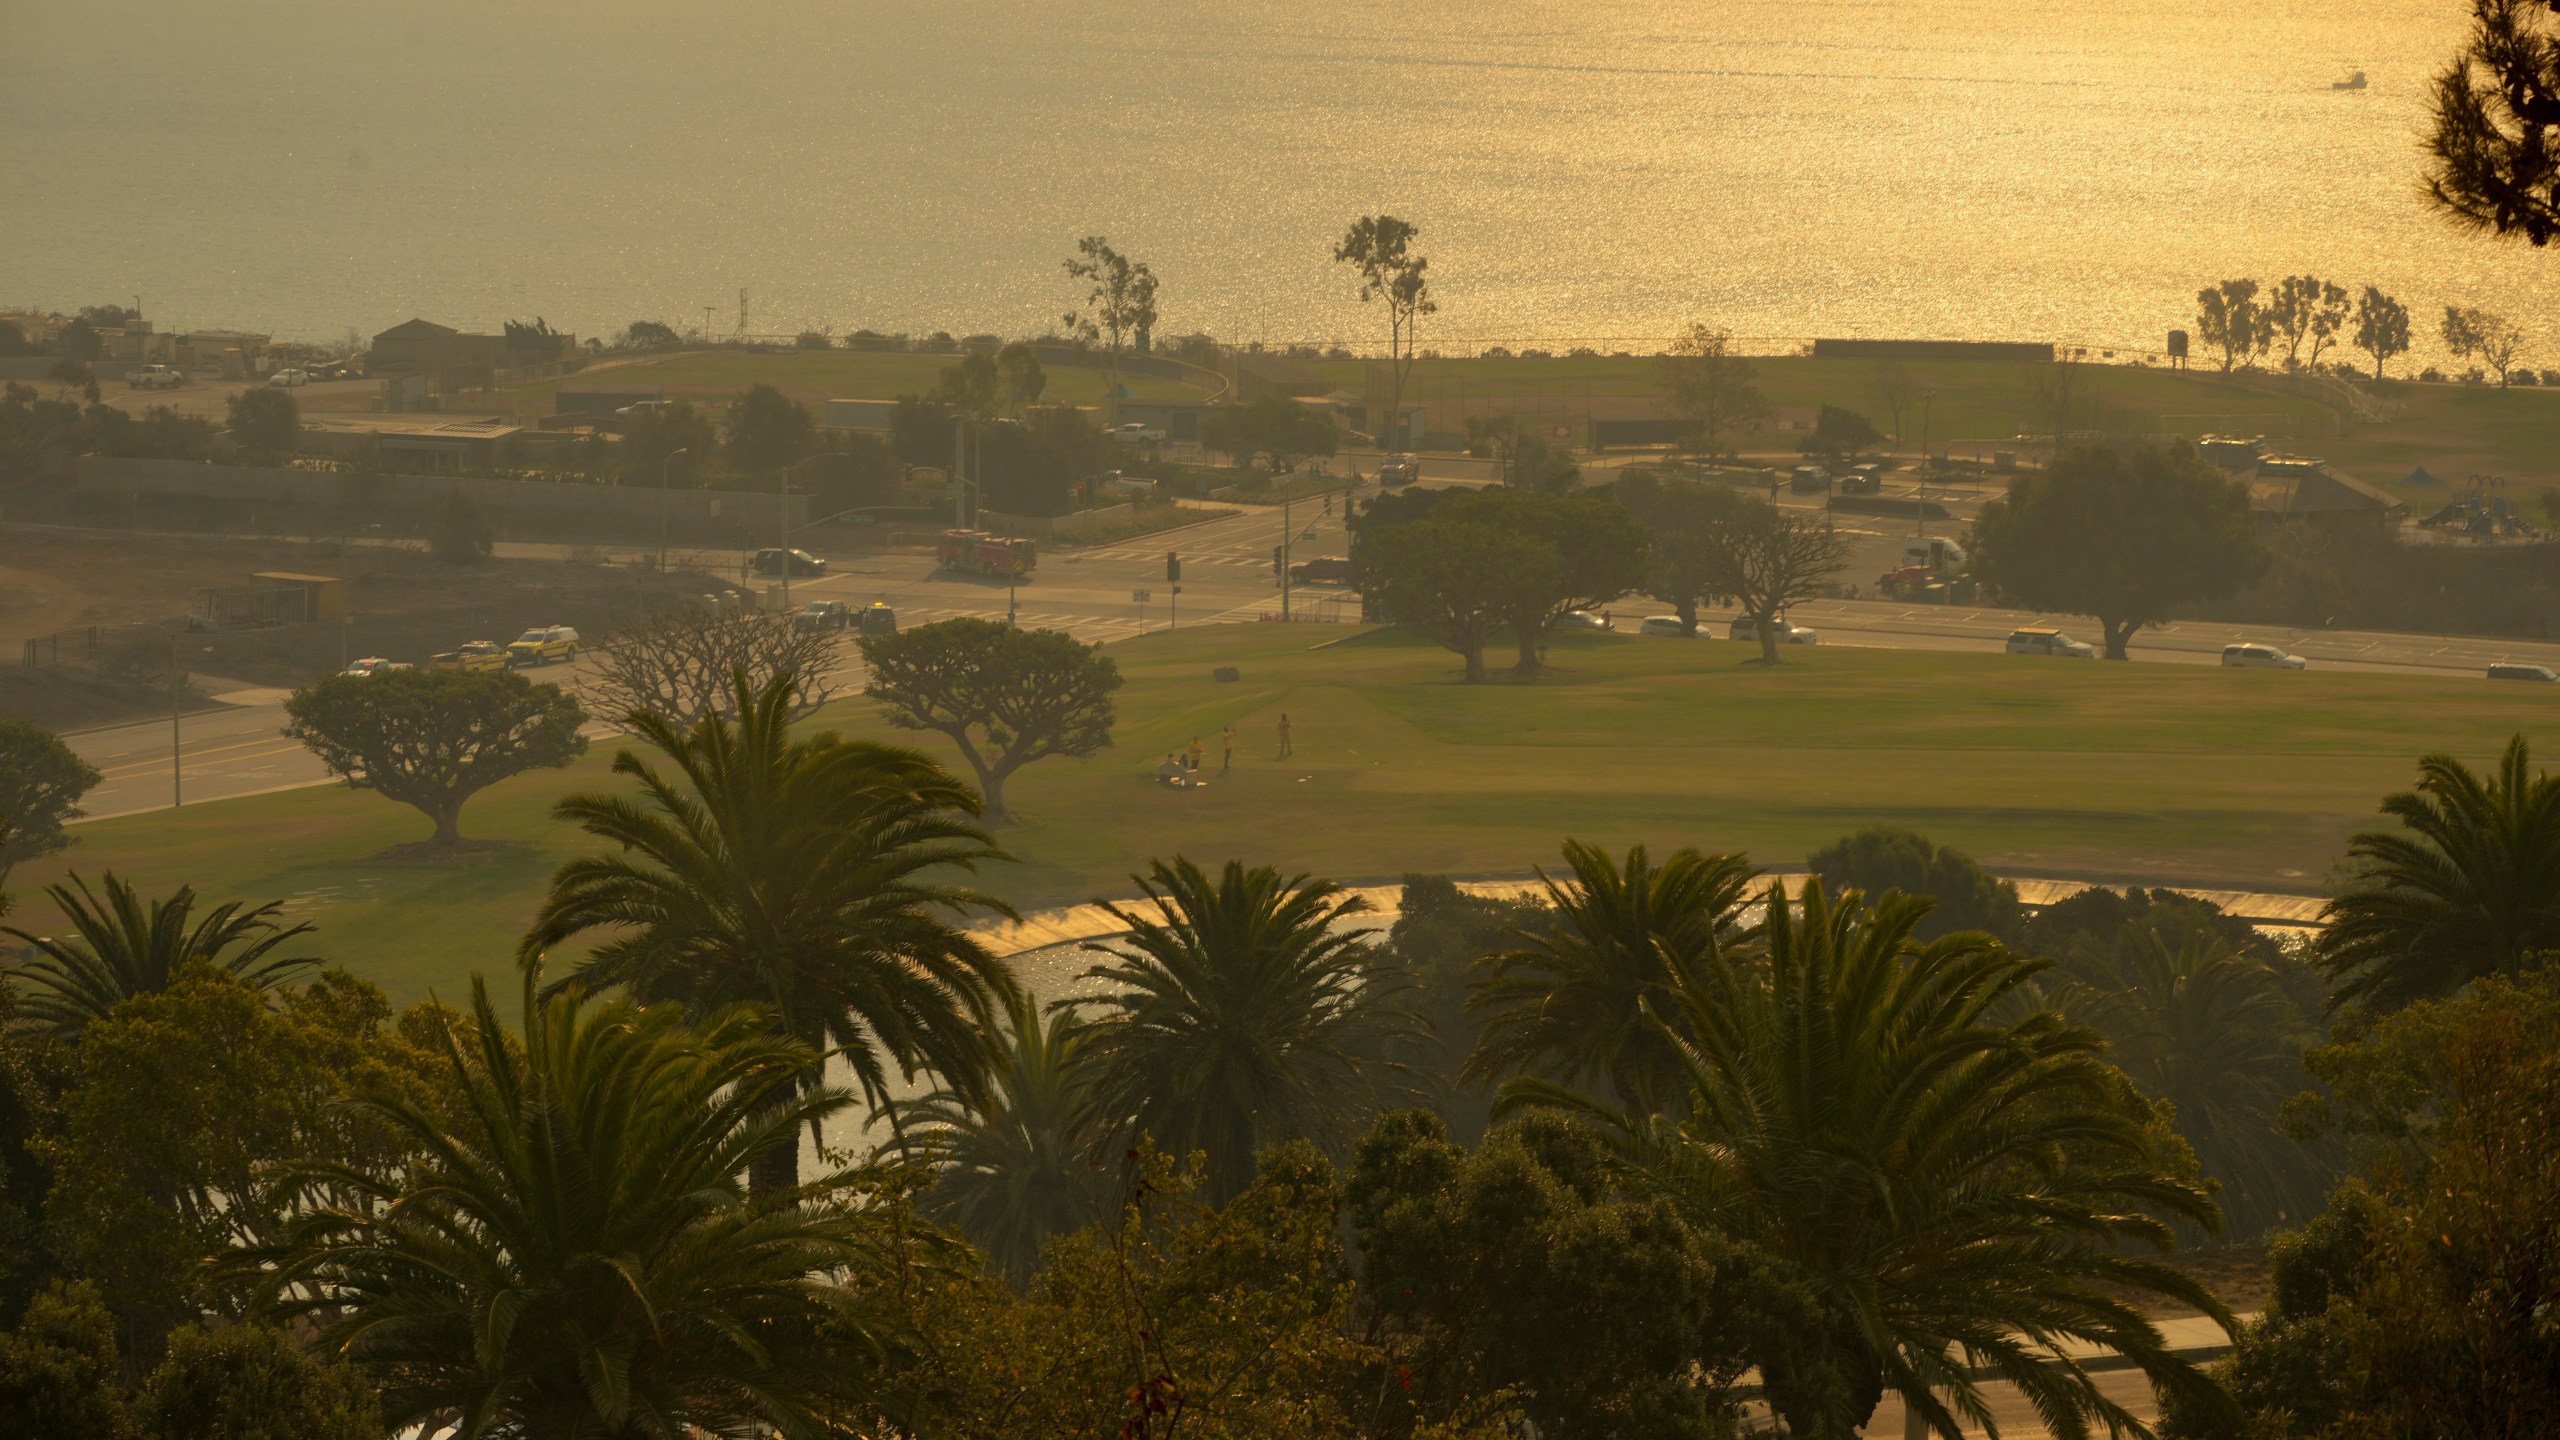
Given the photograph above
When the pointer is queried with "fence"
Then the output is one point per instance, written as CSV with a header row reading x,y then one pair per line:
x,y
45,652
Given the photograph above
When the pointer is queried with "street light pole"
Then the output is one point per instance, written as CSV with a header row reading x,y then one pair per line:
x,y
177,692
664,466
1285,538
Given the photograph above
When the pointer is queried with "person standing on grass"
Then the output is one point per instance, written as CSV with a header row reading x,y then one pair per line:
x,y
1227,748
1191,757
1285,750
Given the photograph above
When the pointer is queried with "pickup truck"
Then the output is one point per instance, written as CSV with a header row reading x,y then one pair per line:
x,y
543,644
155,377
474,657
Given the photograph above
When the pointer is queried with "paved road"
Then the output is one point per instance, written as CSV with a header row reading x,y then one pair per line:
x,y
1227,578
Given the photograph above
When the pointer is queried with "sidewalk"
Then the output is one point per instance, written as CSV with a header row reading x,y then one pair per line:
x,y
1044,929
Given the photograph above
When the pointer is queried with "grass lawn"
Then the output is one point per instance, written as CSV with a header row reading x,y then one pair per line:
x,y
2248,779
2452,430
814,377
1973,401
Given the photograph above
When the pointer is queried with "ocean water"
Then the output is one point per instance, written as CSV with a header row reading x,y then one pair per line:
x,y
1582,172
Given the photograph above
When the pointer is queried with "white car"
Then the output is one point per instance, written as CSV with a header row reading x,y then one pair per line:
x,y
155,377
1789,633
1582,620
642,407
374,665
2044,640
2512,670
1134,433
2261,657
1666,625
289,379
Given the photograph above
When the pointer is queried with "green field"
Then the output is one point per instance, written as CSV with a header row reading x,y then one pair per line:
x,y
2247,779
814,377
2453,431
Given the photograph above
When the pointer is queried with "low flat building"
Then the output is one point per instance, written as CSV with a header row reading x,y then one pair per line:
x,y
453,358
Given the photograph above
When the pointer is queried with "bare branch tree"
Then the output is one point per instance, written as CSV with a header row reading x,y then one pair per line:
x,y
1767,559
679,663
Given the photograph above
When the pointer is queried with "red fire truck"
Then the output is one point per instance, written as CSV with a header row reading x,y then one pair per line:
x,y
978,553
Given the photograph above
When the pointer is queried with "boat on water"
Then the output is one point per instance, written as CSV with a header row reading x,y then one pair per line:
x,y
2352,82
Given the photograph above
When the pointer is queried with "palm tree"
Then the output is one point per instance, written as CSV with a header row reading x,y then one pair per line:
x,y
1569,1005
567,1251
1241,1014
1017,1165
2470,886
796,875
2213,1033
120,947
1952,1191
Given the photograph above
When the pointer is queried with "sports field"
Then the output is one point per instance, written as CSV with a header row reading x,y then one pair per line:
x,y
2246,779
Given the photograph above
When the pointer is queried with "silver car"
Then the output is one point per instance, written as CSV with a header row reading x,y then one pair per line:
x,y
2262,657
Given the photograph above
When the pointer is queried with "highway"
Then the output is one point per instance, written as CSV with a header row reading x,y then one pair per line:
x,y
1227,579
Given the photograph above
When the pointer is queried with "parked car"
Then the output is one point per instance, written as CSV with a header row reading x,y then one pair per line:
x,y
824,615
154,377
2045,640
1582,620
1665,625
801,562
2261,657
1134,433
1322,570
1867,479
1809,480
374,665
1789,633
640,407
288,379
2508,670
543,644
475,656
878,619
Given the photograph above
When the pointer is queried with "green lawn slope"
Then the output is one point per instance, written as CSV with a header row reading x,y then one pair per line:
x,y
2158,773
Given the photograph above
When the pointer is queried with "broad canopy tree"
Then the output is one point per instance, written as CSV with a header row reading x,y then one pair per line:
x,y
1497,558
1005,697
41,782
1274,428
432,739
2129,536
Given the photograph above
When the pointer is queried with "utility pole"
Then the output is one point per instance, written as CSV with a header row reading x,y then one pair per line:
x,y
177,694
663,467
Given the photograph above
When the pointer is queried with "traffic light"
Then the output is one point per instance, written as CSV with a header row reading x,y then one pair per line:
x,y
1172,568
1275,559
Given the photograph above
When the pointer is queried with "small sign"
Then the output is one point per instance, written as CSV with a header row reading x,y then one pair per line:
x,y
1142,596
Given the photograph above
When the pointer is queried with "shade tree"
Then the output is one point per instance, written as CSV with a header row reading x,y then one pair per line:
x,y
1767,559
1004,697
2306,308
432,739
2132,536
41,783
